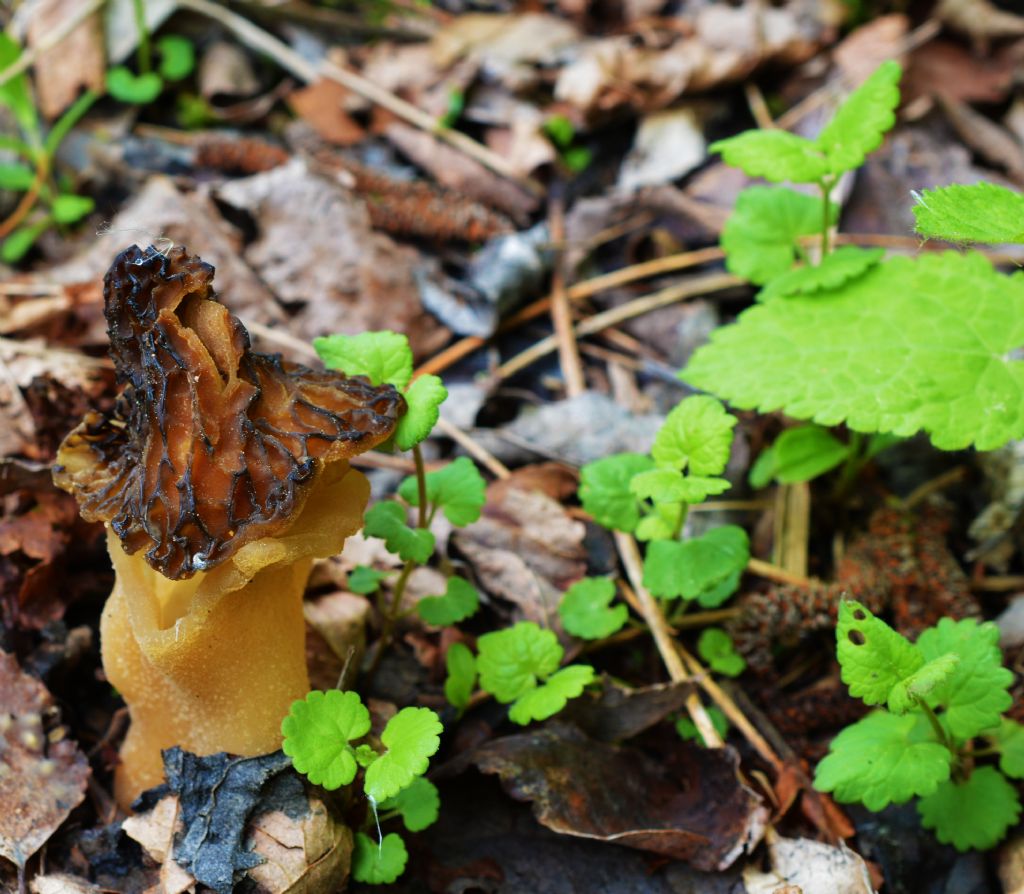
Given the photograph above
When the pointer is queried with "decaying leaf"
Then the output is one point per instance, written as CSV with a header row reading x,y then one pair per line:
x,y
618,713
78,62
809,866
42,774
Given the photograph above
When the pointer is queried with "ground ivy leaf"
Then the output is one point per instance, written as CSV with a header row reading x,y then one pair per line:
x,y
715,595
841,266
15,93
177,57
696,435
975,814
380,356
551,696
512,660
687,729
760,237
411,737
862,121
695,566
981,212
804,453
873,656
884,759
908,693
697,488
69,208
387,520
716,648
776,155
378,864
663,485
316,734
1010,741
16,176
933,351
458,489
365,580
418,804
586,610
976,693
365,755
424,399
605,490
137,89
461,666
460,601
660,522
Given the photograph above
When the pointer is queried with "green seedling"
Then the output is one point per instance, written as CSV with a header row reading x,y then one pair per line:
x,y
716,647
942,696
461,666
586,609
177,60
562,134
687,729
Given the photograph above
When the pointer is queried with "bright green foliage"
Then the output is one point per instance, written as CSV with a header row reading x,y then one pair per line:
x,y
458,489
411,737
586,610
365,755
976,813
380,356
696,568
135,89
911,691
68,208
460,601
687,729
910,345
317,732
605,490
695,437
761,235
15,93
884,759
1009,739
378,864
387,520
841,266
177,57
776,155
976,693
661,522
716,648
418,804
16,176
873,656
551,696
461,665
365,580
799,454
668,486
424,397
982,212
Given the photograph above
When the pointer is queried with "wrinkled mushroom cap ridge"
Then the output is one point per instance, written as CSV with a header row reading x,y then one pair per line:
x,y
211,445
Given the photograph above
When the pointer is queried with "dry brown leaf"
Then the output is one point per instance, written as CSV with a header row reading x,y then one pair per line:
x,y
945,67
225,70
859,53
990,140
43,775
62,883
322,106
78,62
335,636
980,20
809,866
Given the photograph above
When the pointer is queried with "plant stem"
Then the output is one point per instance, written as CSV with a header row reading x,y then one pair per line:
x,y
145,58
940,733
684,510
826,222
421,485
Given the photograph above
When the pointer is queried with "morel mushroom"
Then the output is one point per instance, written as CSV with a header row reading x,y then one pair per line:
x,y
221,474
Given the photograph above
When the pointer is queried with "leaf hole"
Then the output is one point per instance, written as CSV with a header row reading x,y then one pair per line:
x,y
857,638
859,615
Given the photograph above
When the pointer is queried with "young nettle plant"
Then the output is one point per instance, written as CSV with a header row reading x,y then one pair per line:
x,y
943,698
320,736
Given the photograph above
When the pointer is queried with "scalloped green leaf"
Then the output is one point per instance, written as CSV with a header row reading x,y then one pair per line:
x,y
716,647
980,212
136,89
365,580
551,696
418,804
460,601
317,732
513,660
387,520
972,815
696,436
912,344
843,265
458,489
424,398
461,666
586,610
776,155
380,863
411,737
380,356
910,692
1009,739
605,490
873,656
691,568
177,57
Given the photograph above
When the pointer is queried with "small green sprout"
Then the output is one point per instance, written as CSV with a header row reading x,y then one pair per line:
x,y
461,665
458,490
687,729
586,610
459,601
378,863
717,649
387,521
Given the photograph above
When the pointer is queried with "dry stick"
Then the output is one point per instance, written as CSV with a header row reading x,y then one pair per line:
x,y
58,34
629,552
775,573
712,283
262,41
561,315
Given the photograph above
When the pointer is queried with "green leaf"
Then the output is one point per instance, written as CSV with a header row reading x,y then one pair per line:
x,y
982,212
760,237
912,344
716,648
884,759
762,472
577,158
411,737
776,155
380,356
695,566
1010,741
975,814
910,692
860,124
68,208
670,486
715,595
511,661
365,755
126,86
696,435
15,94
605,490
378,864
460,601
458,489
804,453
841,266
551,696
387,520
660,523
418,804
16,177
559,130
688,731
17,245
461,665
177,57
586,610
976,693
316,734
365,580
873,656
424,397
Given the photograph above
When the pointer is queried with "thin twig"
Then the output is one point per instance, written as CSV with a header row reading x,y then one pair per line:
x,y
775,573
940,482
561,314
262,41
474,448
758,107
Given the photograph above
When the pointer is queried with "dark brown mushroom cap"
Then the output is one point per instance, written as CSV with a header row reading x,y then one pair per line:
x,y
211,445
